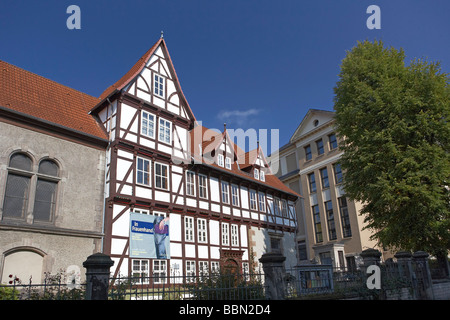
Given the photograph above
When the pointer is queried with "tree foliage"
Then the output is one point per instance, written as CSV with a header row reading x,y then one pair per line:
x,y
393,118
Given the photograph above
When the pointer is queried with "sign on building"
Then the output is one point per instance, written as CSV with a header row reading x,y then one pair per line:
x,y
149,236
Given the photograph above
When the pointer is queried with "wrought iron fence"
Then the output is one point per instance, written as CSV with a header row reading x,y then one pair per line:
x,y
54,287
214,286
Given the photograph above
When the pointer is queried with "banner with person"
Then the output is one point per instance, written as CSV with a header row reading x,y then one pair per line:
x,y
149,236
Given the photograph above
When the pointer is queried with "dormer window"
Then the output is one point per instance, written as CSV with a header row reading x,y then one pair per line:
x,y
158,86
256,174
262,176
220,160
228,163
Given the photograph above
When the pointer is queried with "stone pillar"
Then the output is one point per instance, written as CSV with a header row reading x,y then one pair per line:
x,y
274,273
370,256
97,276
423,275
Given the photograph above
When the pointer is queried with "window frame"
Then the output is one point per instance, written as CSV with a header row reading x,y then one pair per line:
x,y
163,126
317,223
159,275
202,230
144,173
159,90
331,224
308,152
332,143
312,182
202,189
35,180
148,122
225,234
261,202
189,229
228,163
235,196
190,183
253,200
225,194
234,234
338,175
160,176
325,180
320,147
220,160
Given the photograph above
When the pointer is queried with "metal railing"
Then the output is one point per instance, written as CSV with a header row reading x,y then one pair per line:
x,y
212,286
54,287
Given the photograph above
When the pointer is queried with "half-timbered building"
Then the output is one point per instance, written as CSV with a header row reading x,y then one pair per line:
x,y
224,207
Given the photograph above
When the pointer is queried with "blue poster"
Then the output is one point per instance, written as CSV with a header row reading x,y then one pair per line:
x,y
149,236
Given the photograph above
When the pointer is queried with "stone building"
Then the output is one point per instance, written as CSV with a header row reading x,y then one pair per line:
x,y
52,166
330,227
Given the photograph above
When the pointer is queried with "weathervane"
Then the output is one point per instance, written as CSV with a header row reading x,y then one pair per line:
x,y
162,34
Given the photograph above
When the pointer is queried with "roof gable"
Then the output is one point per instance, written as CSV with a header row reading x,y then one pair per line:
x,y
139,81
313,119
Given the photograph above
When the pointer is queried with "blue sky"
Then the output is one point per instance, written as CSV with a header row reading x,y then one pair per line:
x,y
252,64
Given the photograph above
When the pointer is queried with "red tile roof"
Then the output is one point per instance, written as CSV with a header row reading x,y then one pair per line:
x,y
211,139
28,93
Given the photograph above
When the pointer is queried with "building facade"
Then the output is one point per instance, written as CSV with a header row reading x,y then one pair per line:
x,y
222,207
331,230
80,175
52,165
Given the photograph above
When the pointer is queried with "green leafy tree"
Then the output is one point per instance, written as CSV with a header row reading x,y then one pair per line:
x,y
393,118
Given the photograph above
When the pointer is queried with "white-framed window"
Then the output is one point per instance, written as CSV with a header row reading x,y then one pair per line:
x,y
215,267
262,176
190,183
246,270
190,271
284,211
189,229
220,160
225,234
234,235
203,268
235,195
143,171
165,131
253,200
148,124
140,271
160,271
158,86
277,207
161,176
225,194
141,211
201,230
262,206
202,186
228,163
256,173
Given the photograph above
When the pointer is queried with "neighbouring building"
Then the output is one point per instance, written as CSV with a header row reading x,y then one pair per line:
x,y
330,226
80,175
52,167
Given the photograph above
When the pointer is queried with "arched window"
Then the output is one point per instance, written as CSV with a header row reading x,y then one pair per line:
x,y
46,187
17,191
30,191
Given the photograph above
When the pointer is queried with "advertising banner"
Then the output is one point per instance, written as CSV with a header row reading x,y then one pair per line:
x,y
149,236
